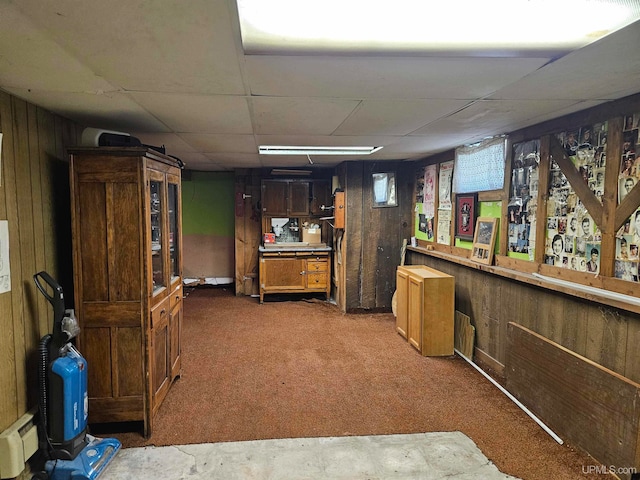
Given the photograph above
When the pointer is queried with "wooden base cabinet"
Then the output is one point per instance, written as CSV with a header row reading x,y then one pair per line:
x,y
425,309
127,252
295,271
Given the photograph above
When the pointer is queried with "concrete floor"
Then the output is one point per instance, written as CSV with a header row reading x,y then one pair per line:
x,y
413,456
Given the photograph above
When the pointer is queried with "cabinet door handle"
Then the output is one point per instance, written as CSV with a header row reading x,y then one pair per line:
x,y
303,273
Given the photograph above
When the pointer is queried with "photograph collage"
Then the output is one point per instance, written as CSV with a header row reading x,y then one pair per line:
x,y
628,237
573,238
523,199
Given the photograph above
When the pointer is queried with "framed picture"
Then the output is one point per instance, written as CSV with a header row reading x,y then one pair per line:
x,y
384,189
484,240
466,213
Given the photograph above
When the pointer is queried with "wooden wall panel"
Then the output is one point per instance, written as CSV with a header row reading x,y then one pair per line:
x,y
352,242
32,199
373,236
8,381
247,231
600,333
583,402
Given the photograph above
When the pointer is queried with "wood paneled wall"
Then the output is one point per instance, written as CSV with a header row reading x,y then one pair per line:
x,y
34,199
372,237
248,229
603,334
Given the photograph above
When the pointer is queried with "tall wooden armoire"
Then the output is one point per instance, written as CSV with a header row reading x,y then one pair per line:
x,y
127,253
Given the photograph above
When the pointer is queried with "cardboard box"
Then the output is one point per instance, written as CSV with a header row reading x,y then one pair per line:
x,y
311,235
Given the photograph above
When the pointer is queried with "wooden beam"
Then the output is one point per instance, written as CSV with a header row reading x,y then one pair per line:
x,y
543,196
586,196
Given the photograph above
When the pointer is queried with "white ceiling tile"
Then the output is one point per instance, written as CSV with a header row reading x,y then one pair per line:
x,y
326,140
198,113
177,75
384,77
396,117
299,116
416,145
207,142
171,141
146,46
29,59
490,117
237,160
112,111
606,69
205,165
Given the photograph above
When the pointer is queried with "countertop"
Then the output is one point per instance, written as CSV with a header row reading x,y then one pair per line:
x,y
294,247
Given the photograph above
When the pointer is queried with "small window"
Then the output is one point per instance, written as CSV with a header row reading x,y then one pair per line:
x,y
479,168
384,190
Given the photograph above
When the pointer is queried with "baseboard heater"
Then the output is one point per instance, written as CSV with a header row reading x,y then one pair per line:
x,y
17,444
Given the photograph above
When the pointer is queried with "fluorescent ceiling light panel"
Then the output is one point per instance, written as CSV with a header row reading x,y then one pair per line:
x,y
301,150
469,27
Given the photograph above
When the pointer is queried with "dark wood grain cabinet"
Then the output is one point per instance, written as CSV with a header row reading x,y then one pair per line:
x,y
321,197
126,224
295,198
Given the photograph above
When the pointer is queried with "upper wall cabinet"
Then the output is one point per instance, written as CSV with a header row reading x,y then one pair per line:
x,y
285,198
275,197
298,198
320,196
295,198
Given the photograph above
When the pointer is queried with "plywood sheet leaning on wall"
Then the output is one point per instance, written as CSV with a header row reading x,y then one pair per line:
x,y
587,405
464,335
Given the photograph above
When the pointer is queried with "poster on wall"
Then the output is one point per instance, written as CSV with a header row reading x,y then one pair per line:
x,y
466,213
424,229
444,184
430,190
444,226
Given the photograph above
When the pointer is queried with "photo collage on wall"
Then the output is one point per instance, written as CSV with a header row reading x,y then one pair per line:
x,y
628,237
523,200
573,238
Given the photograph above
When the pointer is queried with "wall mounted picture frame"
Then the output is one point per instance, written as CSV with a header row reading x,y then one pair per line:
x,y
384,189
466,213
484,240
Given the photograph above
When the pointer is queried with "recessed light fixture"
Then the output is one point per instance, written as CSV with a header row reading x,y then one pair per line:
x,y
304,150
464,27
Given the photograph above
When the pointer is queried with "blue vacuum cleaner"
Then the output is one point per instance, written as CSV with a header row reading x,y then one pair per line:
x,y
71,453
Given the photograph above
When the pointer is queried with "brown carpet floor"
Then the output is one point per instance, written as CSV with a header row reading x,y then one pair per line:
x,y
288,369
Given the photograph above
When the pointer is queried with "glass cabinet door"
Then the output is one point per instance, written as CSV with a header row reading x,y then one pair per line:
x,y
174,237
156,209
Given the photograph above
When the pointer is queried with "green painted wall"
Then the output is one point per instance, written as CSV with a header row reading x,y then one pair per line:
x,y
208,204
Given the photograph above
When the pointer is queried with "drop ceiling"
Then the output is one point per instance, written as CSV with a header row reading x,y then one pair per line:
x,y
175,74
